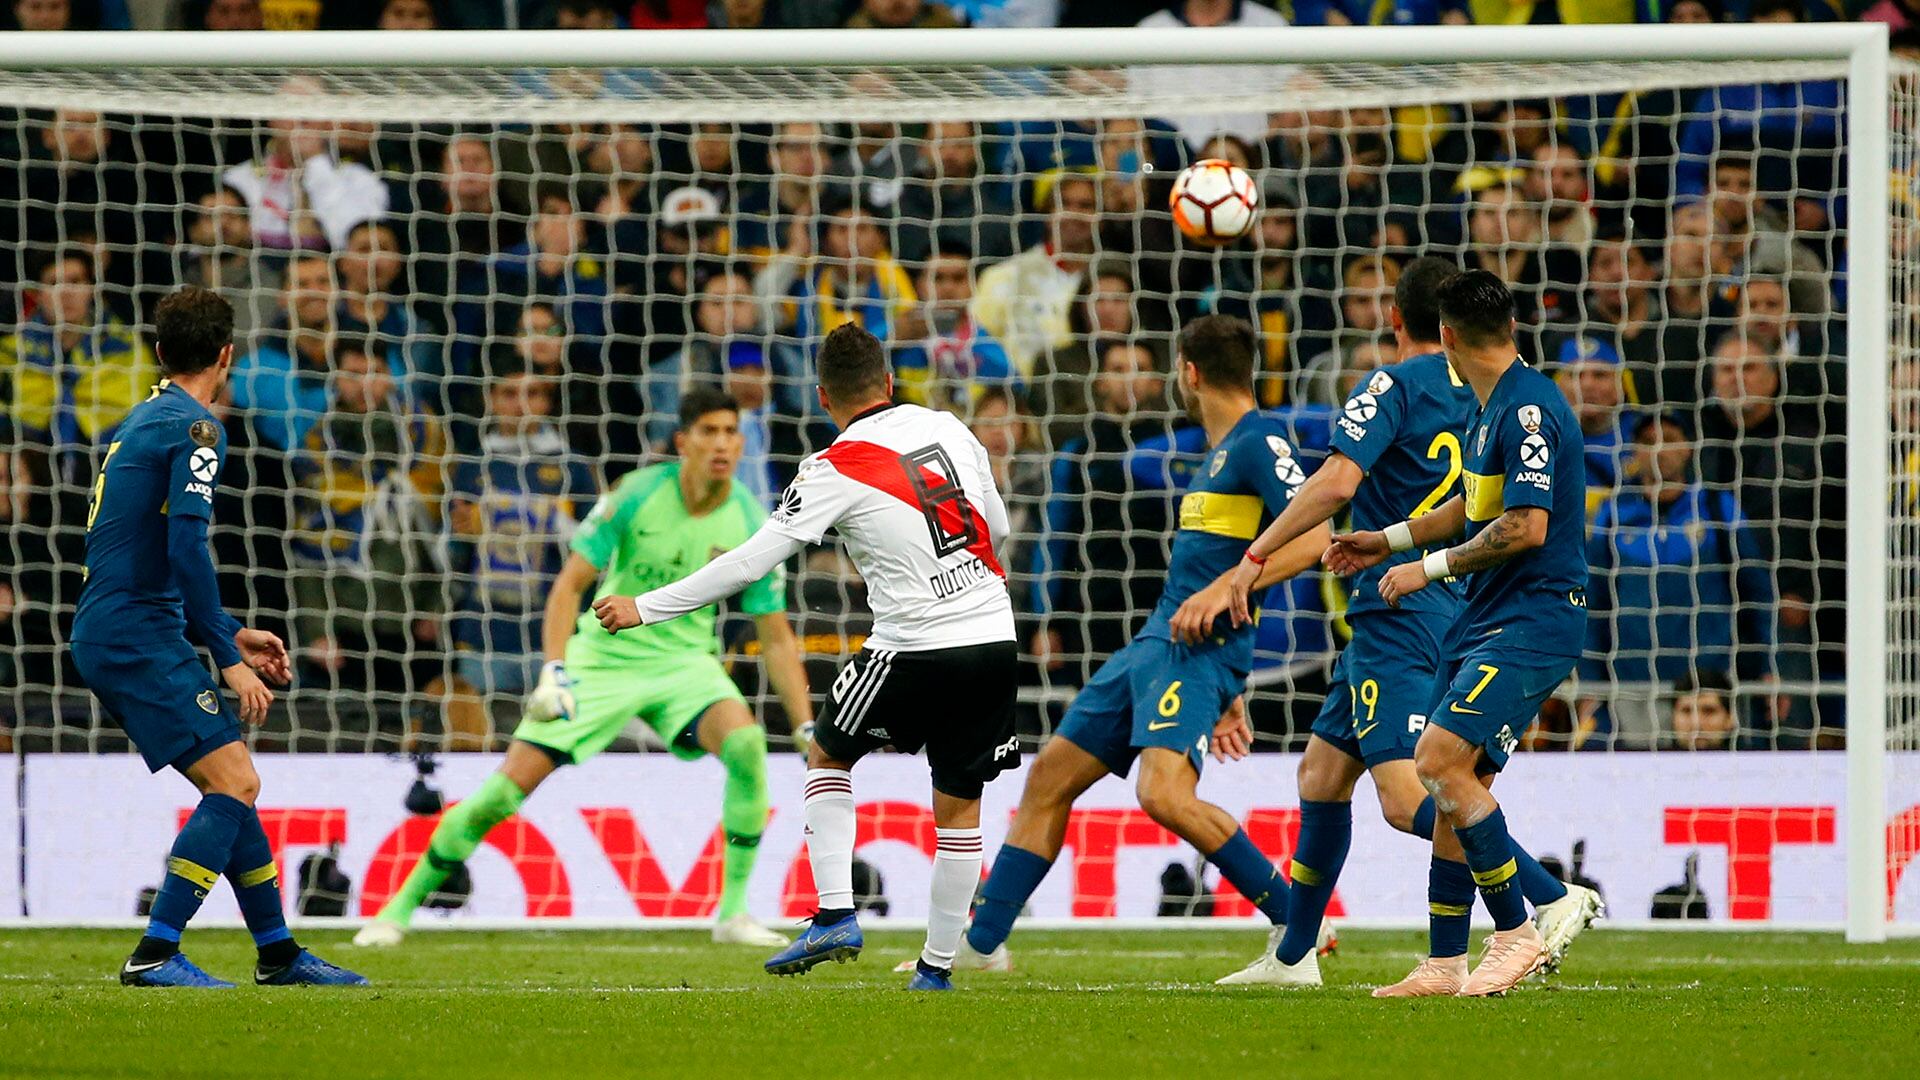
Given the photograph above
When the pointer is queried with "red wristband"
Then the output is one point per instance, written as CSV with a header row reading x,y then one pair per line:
x,y
1257,560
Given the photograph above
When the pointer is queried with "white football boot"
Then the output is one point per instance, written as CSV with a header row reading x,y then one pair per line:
x,y
380,934
743,930
999,961
1564,920
1269,971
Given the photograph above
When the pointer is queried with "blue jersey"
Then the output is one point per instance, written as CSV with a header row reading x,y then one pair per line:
x,y
1245,483
163,463
1525,449
1404,429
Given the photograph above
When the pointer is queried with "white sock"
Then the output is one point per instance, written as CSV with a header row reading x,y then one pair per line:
x,y
830,830
956,874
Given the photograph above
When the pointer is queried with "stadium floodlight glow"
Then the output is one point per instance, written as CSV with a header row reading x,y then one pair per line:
x,y
746,80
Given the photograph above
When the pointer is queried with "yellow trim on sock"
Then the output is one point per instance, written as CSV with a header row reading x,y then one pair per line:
x,y
257,877
1305,875
1449,909
192,871
1496,875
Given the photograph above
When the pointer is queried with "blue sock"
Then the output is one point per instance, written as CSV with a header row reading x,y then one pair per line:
x,y
1253,874
256,884
1423,819
1537,884
1490,855
1016,873
1326,831
200,854
1449,907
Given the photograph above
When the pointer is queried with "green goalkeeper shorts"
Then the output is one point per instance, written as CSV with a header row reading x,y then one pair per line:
x,y
669,693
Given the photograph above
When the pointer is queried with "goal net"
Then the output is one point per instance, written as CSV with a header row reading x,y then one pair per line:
x,y
473,286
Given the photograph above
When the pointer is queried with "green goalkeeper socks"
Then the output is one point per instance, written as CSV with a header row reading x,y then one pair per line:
x,y
460,831
743,813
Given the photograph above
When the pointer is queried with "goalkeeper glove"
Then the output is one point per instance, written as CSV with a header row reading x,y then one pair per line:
x,y
552,699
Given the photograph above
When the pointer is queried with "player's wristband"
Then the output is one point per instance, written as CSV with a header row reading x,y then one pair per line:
x,y
557,671
1435,564
1399,537
1257,560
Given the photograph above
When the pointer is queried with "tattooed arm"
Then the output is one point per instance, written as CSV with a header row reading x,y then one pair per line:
x,y
1512,534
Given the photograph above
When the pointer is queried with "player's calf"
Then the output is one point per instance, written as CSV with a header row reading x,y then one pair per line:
x,y
1166,790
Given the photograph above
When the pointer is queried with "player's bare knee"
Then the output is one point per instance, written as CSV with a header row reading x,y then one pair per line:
x,y
1398,810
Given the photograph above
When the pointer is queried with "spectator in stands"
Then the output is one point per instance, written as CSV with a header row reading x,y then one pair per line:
x,y
461,222
218,254
1680,577
301,194
1768,451
1590,378
1558,182
771,212
950,201
854,278
668,15
510,510
1101,313
1367,283
1795,126
940,358
408,15
1812,371
1291,324
1688,335
726,327
1509,239
369,306
1331,378
1175,81
367,581
72,370
1702,716
1625,305
1020,474
586,15
554,265
901,15
43,15
1103,552
1130,227
1025,301
228,15
1750,238
281,384
78,190
871,158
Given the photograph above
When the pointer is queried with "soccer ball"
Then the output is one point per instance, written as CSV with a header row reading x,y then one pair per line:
x,y
1214,201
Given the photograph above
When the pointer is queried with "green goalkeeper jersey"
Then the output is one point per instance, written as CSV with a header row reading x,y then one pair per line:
x,y
640,537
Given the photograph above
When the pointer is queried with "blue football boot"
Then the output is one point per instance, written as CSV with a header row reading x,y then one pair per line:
x,y
175,970
839,942
930,978
308,970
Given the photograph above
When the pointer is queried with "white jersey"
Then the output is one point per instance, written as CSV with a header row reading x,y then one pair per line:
x,y
911,493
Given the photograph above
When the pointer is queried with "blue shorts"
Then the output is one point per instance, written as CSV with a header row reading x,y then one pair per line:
x,y
1493,693
162,696
1382,684
1151,693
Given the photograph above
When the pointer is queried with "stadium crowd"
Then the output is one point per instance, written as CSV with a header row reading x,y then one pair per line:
x,y
451,339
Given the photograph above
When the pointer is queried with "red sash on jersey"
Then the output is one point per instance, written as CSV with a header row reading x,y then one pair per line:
x,y
881,469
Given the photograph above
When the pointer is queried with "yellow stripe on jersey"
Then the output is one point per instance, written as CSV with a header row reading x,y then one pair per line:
x,y
192,871
259,876
1486,495
1235,516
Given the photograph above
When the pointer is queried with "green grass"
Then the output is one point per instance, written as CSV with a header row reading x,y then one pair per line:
x,y
557,1005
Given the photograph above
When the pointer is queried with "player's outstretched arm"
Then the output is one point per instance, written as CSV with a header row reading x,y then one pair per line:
x,y
710,584
1194,620
1512,534
1325,494
1353,552
552,696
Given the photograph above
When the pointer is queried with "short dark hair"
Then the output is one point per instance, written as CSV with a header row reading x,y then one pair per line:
x,y
190,327
1710,680
504,362
852,365
1222,347
698,401
348,345
1417,296
1759,8
1478,306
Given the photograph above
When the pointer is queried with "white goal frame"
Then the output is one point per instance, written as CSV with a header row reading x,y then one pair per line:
x,y
1862,47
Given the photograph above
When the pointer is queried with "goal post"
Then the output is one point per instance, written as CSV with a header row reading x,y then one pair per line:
x,y
416,90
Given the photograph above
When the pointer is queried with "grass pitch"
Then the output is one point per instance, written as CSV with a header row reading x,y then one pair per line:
x,y
1089,1003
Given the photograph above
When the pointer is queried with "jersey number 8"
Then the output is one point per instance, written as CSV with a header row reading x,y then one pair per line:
x,y
943,502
